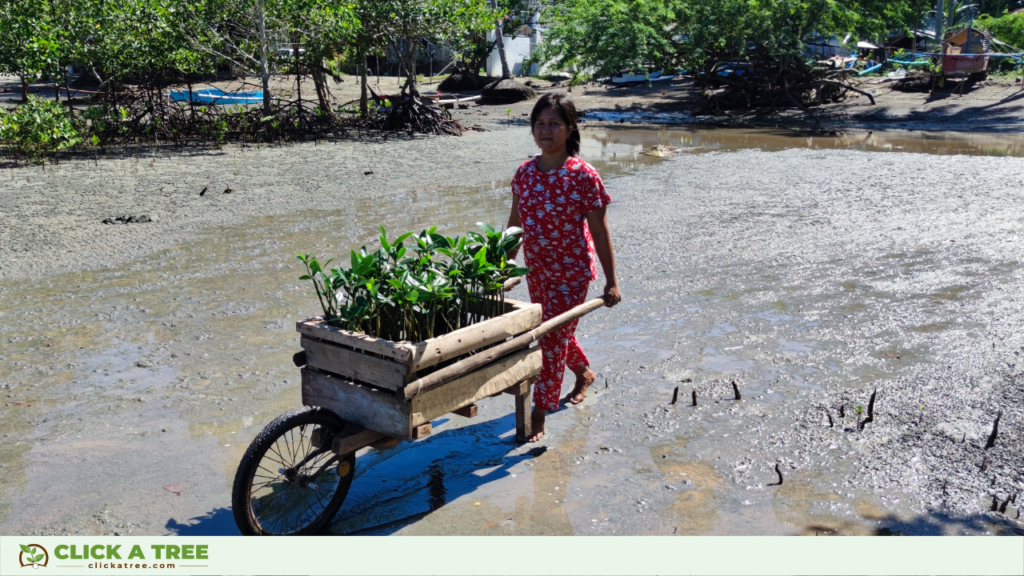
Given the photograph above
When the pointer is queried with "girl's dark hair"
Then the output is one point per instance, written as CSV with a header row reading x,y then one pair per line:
x,y
566,108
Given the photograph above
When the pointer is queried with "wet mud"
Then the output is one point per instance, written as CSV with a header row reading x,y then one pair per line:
x,y
126,384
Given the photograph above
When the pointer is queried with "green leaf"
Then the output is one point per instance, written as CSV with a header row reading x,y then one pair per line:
x,y
517,272
27,550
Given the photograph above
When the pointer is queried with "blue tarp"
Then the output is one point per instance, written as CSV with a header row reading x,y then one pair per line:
x,y
874,68
217,96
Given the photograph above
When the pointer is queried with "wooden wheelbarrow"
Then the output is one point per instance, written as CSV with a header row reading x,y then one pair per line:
x,y
359,391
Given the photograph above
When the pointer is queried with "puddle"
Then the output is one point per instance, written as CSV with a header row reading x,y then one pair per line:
x,y
627,144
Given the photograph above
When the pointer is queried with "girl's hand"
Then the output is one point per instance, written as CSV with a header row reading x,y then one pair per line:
x,y
612,295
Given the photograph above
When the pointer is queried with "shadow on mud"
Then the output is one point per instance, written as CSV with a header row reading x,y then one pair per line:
x,y
939,524
397,487
218,522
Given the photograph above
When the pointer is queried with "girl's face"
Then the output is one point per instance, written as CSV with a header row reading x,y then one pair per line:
x,y
550,132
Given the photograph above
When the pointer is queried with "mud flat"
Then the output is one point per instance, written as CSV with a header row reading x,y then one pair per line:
x,y
138,361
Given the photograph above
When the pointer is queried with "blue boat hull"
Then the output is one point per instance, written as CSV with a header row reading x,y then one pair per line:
x,y
216,97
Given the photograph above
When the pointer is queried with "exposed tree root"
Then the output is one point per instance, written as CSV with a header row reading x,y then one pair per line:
x,y
804,88
415,115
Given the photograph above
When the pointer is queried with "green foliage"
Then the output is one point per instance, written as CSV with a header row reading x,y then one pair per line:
x,y
38,129
1008,28
402,23
603,37
435,285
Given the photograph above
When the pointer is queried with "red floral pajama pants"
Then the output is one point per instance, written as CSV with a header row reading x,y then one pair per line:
x,y
560,347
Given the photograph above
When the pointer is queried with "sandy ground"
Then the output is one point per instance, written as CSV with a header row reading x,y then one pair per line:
x,y
139,360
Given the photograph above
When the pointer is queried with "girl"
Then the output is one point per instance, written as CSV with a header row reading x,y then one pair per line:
x,y
559,202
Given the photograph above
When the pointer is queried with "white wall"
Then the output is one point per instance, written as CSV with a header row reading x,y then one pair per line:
x,y
516,50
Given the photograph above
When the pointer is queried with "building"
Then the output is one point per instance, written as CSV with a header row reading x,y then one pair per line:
x,y
517,50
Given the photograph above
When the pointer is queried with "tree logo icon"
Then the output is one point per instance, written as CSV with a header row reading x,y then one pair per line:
x,y
33,555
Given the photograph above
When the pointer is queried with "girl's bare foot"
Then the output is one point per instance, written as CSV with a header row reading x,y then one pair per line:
x,y
584,378
537,424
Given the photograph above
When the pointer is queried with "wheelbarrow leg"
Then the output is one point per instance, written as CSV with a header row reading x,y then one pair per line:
x,y
524,425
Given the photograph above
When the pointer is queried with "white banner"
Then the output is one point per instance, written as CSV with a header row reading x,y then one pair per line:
x,y
528,555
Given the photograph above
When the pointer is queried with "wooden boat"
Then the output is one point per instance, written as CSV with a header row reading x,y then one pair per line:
x,y
216,96
960,64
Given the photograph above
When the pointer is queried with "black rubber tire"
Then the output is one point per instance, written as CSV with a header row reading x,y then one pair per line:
x,y
308,418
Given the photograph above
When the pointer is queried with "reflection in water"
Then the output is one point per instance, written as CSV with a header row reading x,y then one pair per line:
x,y
626,144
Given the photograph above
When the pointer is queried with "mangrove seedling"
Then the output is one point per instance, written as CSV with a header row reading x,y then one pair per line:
x,y
433,286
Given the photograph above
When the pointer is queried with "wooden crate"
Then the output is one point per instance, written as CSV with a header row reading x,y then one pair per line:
x,y
381,411
391,365
357,376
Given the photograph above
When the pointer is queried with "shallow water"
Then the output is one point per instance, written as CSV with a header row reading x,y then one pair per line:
x,y
160,371
627,143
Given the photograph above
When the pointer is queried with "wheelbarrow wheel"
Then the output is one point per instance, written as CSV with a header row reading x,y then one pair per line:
x,y
289,481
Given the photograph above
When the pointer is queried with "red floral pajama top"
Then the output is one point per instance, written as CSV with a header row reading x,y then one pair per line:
x,y
552,211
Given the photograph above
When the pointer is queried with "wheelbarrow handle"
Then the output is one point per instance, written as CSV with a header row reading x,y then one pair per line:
x,y
448,373
512,283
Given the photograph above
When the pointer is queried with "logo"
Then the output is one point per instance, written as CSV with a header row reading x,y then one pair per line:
x,y
33,555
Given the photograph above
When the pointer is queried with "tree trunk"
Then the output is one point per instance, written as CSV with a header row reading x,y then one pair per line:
x,y
499,31
410,69
364,108
261,26
298,76
24,90
320,83
67,87
191,100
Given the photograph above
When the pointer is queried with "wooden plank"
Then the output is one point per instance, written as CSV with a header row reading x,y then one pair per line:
x,y
466,411
485,357
386,443
518,389
357,441
315,328
524,423
356,365
422,431
522,317
368,407
475,386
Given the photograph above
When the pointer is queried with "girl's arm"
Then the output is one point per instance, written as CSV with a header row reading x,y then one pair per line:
x,y
513,220
597,221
